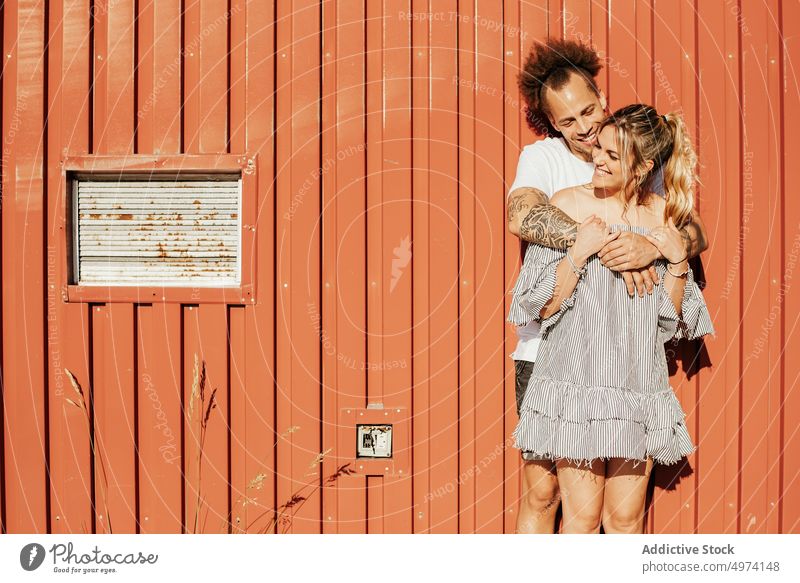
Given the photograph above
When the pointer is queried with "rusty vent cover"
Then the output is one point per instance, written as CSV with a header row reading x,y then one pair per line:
x,y
156,230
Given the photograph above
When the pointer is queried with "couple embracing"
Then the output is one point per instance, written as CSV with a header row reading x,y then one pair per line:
x,y
606,205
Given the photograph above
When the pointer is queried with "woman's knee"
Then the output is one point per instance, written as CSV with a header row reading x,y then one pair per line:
x,y
581,522
624,519
582,515
625,495
581,489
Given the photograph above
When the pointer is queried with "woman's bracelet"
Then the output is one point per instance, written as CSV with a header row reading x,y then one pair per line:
x,y
677,274
579,272
677,262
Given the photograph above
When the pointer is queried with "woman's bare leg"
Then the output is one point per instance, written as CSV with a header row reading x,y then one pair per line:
x,y
539,503
625,494
581,496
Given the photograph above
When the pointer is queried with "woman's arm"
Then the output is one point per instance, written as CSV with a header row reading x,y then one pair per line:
x,y
547,282
674,285
670,243
566,280
593,233
682,312
566,202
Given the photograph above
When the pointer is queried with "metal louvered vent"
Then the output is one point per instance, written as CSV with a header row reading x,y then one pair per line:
x,y
173,230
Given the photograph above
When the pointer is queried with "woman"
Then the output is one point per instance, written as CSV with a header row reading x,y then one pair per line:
x,y
598,401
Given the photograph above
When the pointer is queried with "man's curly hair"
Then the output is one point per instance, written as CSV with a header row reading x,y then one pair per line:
x,y
549,66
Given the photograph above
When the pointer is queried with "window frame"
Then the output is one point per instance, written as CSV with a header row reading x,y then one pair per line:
x,y
147,165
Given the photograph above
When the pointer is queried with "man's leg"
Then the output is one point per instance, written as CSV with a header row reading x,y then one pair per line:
x,y
539,502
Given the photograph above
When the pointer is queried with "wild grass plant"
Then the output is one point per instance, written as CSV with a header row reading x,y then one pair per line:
x,y
202,403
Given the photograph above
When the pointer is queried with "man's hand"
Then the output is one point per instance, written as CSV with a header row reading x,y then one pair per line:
x,y
633,255
631,252
628,251
640,280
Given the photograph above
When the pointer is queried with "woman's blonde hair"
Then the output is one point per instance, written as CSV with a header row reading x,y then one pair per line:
x,y
643,135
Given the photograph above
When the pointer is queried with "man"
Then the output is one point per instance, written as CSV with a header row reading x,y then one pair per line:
x,y
565,104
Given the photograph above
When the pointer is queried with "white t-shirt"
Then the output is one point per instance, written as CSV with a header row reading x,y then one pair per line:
x,y
547,165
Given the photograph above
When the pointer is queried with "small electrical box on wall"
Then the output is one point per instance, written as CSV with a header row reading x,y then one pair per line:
x,y
374,441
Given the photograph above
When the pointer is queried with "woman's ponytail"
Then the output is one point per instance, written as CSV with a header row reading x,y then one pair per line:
x,y
679,172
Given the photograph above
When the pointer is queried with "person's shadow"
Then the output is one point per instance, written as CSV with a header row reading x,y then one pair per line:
x,y
690,356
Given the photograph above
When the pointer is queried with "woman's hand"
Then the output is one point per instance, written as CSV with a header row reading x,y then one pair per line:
x,y
593,234
669,241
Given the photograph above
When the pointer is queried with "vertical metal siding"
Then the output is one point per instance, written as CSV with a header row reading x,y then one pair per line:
x,y
386,134
159,334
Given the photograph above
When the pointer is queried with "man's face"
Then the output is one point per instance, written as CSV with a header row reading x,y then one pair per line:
x,y
576,111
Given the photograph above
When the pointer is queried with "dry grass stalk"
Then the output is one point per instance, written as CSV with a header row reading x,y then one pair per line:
x,y
279,516
256,483
93,438
199,382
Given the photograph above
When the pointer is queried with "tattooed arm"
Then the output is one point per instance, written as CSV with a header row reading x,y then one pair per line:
x,y
532,218
694,235
632,251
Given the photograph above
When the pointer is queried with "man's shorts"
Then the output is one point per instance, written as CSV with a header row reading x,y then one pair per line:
x,y
523,370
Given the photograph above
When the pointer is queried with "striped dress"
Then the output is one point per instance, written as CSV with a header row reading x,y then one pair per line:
x,y
600,386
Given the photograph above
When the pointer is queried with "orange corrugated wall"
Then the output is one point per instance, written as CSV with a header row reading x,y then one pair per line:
x,y
386,134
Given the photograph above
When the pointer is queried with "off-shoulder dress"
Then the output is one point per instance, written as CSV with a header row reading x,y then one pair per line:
x,y
600,385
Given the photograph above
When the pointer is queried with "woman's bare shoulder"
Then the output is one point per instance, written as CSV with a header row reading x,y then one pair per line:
x,y
573,201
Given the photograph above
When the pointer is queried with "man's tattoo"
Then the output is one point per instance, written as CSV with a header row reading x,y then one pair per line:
x,y
687,240
516,205
549,226
694,236
694,239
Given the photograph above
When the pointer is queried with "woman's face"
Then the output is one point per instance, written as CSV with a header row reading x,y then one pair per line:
x,y
608,171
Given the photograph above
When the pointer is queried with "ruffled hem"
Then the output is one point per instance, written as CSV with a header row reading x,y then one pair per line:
x,y
560,420
694,321
535,287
